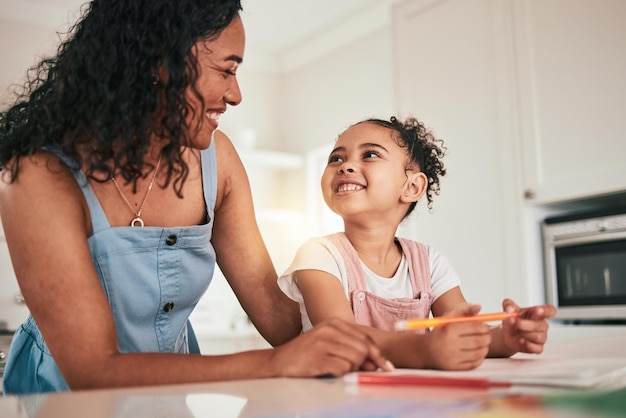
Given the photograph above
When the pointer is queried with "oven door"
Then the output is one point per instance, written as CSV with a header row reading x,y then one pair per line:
x,y
589,277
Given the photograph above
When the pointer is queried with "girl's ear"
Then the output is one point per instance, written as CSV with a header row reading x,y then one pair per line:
x,y
415,186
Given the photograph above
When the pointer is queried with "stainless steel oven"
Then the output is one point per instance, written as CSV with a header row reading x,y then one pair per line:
x,y
585,265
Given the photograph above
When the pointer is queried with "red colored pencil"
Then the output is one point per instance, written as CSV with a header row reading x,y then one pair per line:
x,y
382,378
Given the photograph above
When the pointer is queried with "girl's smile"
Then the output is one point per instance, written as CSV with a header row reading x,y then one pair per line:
x,y
348,187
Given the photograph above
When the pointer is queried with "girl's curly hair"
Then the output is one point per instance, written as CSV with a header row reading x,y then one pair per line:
x,y
423,149
99,97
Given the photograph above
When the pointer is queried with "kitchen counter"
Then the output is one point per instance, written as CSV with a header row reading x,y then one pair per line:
x,y
325,397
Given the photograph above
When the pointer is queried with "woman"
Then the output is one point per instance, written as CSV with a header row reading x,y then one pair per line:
x,y
119,195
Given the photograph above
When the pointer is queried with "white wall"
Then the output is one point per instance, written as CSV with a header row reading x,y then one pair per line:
x,y
350,84
259,109
21,46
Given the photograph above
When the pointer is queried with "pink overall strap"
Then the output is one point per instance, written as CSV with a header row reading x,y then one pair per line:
x,y
417,256
356,279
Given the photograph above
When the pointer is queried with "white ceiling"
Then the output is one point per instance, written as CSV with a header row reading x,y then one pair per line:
x,y
281,35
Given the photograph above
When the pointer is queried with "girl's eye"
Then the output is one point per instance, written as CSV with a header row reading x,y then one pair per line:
x,y
334,159
370,154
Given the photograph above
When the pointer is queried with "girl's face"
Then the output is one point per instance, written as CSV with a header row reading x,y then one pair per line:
x,y
366,175
218,61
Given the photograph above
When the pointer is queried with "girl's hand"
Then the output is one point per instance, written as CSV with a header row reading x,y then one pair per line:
x,y
460,346
527,333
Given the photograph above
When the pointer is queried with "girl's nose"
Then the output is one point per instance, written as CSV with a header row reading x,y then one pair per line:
x,y
346,168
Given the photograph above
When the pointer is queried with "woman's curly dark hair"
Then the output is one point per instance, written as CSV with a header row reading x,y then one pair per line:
x,y
97,99
423,149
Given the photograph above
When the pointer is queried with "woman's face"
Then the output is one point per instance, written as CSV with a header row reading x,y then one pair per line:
x,y
218,61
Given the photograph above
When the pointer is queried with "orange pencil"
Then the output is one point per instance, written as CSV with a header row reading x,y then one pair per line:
x,y
445,320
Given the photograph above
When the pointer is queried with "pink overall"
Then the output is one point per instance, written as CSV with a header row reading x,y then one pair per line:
x,y
372,310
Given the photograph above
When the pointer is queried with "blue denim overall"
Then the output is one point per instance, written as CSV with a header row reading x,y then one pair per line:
x,y
153,278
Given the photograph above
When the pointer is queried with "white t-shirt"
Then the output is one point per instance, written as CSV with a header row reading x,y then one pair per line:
x,y
319,254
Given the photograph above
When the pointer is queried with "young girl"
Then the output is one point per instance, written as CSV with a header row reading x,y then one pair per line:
x,y
375,175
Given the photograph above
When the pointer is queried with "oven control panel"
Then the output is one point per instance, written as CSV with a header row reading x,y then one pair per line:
x,y
608,224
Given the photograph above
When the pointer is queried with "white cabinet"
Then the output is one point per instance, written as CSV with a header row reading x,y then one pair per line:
x,y
571,57
530,97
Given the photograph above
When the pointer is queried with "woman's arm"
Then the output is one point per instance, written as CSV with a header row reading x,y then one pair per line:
x,y
242,255
46,227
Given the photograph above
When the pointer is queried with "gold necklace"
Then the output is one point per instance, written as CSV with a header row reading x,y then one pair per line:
x,y
137,221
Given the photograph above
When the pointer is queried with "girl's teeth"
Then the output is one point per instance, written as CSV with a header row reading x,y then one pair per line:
x,y
349,187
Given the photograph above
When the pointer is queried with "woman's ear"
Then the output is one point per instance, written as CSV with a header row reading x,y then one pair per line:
x,y
415,186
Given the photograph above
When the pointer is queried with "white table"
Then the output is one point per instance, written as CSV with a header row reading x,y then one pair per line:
x,y
307,398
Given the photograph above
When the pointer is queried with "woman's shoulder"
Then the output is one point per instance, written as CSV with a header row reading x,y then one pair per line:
x,y
35,170
44,188
232,180
224,147
228,160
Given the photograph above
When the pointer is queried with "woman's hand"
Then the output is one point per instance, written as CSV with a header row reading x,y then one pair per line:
x,y
527,333
334,347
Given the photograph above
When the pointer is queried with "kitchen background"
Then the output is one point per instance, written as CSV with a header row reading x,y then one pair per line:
x,y
529,96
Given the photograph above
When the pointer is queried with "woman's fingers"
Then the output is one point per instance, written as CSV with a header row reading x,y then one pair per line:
x,y
332,348
357,347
